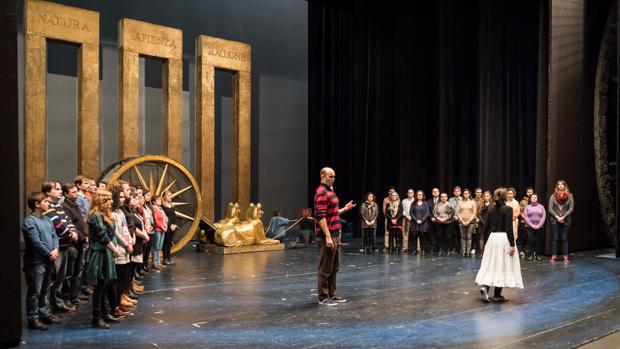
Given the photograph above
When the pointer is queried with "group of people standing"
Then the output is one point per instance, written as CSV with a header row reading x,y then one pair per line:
x,y
447,226
490,221
84,240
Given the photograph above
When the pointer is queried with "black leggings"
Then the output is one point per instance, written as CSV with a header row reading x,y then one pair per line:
x,y
99,304
533,238
168,236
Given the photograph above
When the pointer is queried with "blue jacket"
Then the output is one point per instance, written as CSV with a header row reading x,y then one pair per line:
x,y
40,238
278,225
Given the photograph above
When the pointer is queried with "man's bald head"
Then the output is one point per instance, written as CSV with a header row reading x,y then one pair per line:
x,y
328,176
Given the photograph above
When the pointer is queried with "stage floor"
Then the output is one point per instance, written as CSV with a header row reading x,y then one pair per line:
x,y
268,299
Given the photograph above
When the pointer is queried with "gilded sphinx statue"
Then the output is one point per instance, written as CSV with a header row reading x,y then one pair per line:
x,y
233,232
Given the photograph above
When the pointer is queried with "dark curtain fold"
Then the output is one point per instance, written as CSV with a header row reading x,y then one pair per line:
x,y
441,95
508,84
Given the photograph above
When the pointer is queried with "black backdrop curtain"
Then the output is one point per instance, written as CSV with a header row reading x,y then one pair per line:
x,y
440,95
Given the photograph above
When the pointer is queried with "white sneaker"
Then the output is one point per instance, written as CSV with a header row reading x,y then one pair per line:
x,y
328,302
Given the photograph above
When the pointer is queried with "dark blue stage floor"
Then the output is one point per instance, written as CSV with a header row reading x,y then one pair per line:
x,y
268,299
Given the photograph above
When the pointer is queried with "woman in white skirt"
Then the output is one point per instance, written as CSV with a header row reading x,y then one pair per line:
x,y
500,265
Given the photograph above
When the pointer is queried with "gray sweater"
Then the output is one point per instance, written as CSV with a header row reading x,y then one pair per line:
x,y
369,213
556,210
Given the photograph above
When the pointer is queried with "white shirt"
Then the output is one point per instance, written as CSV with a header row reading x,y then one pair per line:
x,y
406,206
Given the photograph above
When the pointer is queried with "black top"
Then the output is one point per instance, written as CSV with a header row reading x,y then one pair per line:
x,y
138,247
73,212
306,224
172,218
499,219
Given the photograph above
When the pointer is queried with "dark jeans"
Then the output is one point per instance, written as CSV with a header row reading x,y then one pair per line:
x,y
534,240
65,257
168,236
560,233
77,266
38,282
369,236
329,265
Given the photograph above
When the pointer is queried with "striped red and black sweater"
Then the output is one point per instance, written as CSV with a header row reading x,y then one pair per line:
x,y
326,205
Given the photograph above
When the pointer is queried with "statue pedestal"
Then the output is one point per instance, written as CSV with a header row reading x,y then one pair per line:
x,y
212,248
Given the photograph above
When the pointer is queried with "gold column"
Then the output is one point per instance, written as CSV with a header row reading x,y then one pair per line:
x,y
214,53
136,38
49,20
242,136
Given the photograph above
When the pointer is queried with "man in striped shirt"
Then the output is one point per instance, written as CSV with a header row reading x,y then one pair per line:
x,y
328,211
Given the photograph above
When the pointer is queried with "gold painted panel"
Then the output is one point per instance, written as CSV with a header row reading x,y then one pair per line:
x,y
142,38
49,20
214,53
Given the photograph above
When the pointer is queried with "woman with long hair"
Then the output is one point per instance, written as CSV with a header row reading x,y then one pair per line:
x,y
394,215
160,226
124,244
135,205
500,266
172,226
369,211
466,215
101,270
561,206
483,207
420,215
148,229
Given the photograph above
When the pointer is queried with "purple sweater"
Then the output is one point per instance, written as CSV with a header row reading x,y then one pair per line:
x,y
535,214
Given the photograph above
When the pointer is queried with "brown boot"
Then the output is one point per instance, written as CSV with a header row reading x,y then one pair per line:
x,y
127,299
126,304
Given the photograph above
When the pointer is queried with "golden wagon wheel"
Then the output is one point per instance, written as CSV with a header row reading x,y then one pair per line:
x,y
158,174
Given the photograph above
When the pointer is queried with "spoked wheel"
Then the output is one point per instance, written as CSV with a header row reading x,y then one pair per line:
x,y
158,174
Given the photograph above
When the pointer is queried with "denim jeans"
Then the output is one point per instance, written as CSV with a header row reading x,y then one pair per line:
x,y
38,282
158,243
560,233
65,256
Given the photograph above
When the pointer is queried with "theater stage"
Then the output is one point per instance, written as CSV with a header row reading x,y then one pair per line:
x,y
269,300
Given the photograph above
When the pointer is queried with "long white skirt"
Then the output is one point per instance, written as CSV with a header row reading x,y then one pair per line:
x,y
498,268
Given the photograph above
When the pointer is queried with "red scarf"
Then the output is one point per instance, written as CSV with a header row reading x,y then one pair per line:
x,y
561,197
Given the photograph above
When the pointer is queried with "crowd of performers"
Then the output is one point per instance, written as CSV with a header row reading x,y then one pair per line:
x,y
93,241
84,240
454,226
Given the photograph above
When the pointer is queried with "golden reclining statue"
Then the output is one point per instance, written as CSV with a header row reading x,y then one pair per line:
x,y
233,232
